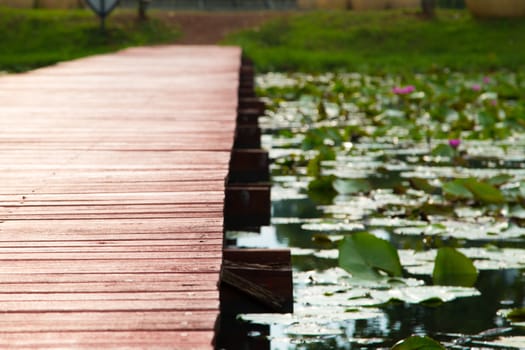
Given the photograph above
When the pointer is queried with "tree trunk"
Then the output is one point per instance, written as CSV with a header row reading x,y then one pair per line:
x,y
428,8
143,5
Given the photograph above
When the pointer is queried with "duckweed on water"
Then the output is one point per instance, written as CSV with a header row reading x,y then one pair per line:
x,y
433,165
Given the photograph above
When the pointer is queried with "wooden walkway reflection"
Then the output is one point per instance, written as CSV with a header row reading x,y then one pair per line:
x,y
112,182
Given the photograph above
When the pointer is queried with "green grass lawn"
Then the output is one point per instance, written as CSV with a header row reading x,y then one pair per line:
x,y
389,41
35,38
374,42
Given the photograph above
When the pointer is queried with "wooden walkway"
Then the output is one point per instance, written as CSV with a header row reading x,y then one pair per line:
x,y
112,181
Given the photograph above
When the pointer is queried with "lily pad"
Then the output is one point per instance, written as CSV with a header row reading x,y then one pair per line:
x,y
322,184
333,226
422,263
499,180
366,256
517,315
518,320
457,190
513,342
472,228
424,294
312,330
417,342
443,150
423,185
453,268
484,192
394,173
351,186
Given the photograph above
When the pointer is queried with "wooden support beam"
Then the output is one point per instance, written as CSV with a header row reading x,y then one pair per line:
x,y
252,103
233,334
247,84
246,92
252,280
247,136
247,70
266,297
249,165
247,206
248,116
246,78
256,280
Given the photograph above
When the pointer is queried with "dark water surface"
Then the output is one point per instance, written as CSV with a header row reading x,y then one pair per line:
x,y
450,321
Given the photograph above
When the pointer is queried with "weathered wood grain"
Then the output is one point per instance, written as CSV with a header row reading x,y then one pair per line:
x,y
112,185
159,340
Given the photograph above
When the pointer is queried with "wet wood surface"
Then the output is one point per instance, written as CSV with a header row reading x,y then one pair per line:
x,y
112,182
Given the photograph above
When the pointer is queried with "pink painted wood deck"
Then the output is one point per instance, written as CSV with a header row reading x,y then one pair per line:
x,y
112,179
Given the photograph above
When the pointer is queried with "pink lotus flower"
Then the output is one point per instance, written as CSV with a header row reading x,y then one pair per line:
x,y
486,80
404,90
476,87
454,143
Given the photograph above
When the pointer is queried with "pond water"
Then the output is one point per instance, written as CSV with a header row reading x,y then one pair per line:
x,y
424,162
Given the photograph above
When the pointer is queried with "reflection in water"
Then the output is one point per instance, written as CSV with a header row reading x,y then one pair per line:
x,y
350,156
499,289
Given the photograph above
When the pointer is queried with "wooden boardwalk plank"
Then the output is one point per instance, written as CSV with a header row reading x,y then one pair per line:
x,y
112,182
187,340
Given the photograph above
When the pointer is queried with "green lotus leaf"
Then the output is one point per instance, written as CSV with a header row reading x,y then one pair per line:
x,y
484,192
443,150
453,268
500,179
417,342
365,255
351,186
456,190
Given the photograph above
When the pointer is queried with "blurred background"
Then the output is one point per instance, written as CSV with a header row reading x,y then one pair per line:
x,y
242,4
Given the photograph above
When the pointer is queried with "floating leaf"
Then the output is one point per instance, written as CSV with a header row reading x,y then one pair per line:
x,y
500,179
322,184
417,342
423,185
351,186
333,226
422,263
423,294
364,255
314,167
486,119
311,330
471,188
484,192
517,315
443,150
452,268
513,342
456,189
